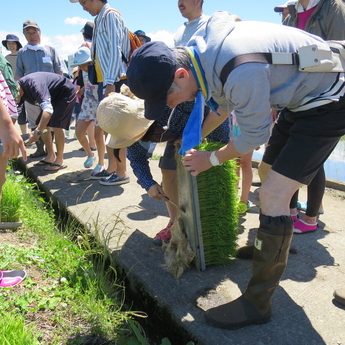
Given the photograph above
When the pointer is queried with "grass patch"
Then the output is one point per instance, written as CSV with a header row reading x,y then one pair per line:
x,y
11,199
72,294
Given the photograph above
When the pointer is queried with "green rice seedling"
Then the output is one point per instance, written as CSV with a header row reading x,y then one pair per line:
x,y
14,331
11,199
218,199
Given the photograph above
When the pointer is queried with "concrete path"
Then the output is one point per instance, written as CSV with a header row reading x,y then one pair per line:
x,y
304,311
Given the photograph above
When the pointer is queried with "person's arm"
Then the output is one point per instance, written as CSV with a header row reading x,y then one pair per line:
x,y
137,156
47,111
11,140
212,121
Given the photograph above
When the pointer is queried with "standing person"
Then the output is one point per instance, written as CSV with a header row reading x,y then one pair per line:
x,y
191,10
56,96
12,44
325,19
87,116
312,121
283,10
35,57
110,42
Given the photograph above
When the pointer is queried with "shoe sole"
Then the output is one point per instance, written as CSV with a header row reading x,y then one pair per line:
x,y
113,183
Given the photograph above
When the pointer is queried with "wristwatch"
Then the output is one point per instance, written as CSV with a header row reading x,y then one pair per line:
x,y
213,159
40,132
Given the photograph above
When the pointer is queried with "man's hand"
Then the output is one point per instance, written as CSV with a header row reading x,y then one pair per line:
x,y
33,137
157,192
197,162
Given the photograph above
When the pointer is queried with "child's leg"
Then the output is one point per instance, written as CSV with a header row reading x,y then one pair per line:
x,y
247,176
99,139
80,130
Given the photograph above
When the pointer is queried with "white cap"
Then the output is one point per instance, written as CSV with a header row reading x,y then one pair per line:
x,y
280,8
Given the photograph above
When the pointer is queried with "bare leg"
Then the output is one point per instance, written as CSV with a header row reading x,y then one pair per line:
x,y
121,166
80,130
48,141
99,138
169,182
91,135
247,176
112,161
60,145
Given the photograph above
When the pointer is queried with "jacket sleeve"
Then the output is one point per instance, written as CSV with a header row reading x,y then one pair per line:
x,y
137,155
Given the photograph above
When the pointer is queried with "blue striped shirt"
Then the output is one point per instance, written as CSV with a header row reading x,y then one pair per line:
x,y
110,39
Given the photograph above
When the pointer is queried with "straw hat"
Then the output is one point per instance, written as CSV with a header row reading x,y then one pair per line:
x,y
123,119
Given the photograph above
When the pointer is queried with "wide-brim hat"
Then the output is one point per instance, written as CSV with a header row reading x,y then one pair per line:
x,y
11,38
141,33
150,75
123,119
81,57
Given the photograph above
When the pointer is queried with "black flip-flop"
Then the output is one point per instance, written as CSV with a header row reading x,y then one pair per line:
x,y
58,166
42,162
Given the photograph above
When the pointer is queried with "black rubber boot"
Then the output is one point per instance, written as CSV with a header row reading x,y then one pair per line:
x,y
40,149
271,251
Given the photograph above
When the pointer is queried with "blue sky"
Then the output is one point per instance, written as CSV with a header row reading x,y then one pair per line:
x,y
61,20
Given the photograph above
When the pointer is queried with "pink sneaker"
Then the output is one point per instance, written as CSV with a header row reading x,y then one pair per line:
x,y
164,235
11,278
301,227
294,217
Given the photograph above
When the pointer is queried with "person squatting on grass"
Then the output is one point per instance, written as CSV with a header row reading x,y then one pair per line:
x,y
312,121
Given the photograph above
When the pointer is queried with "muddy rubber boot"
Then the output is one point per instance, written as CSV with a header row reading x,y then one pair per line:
x,y
245,252
40,149
271,251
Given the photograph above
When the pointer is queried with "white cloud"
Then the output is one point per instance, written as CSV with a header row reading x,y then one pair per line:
x,y
164,36
75,21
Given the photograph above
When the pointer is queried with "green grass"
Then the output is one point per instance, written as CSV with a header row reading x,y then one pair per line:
x,y
11,200
14,331
71,294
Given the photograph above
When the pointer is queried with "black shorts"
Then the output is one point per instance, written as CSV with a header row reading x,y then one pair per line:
x,y
62,112
302,141
168,161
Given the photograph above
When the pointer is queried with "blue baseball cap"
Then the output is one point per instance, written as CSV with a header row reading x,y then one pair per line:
x,y
150,75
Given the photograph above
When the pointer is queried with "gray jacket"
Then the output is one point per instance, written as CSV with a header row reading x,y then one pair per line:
x,y
327,20
252,89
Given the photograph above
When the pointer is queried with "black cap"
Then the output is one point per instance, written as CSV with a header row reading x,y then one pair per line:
x,y
88,28
150,75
